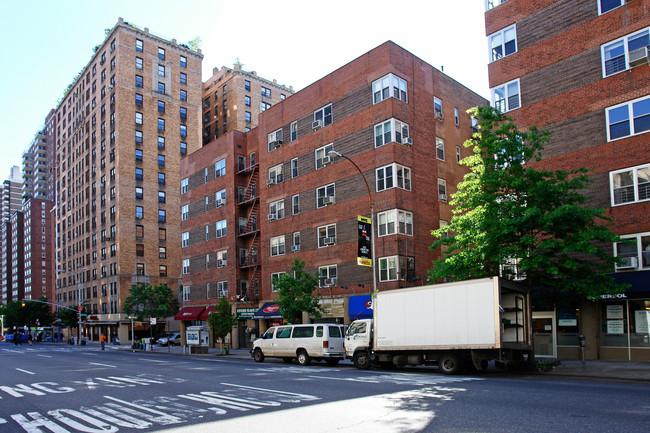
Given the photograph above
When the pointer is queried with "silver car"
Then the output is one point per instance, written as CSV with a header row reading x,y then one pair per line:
x,y
172,340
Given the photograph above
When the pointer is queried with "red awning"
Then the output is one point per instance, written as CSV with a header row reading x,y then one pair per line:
x,y
207,312
189,313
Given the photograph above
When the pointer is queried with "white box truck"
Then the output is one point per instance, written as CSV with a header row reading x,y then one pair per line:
x,y
453,325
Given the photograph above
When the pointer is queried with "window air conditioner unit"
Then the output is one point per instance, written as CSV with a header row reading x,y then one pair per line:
x,y
439,115
628,263
638,57
328,200
276,143
329,282
273,216
329,241
407,141
295,248
326,160
221,202
316,125
221,263
270,182
442,197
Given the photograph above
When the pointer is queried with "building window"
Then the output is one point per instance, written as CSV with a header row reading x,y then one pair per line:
x,y
185,239
183,78
275,175
389,86
266,92
608,5
327,235
442,189
274,139
139,212
161,178
220,198
388,267
138,139
390,131
162,216
161,124
458,154
138,81
506,97
294,131
139,270
264,106
221,228
474,125
630,185
437,108
503,43
247,101
294,168
614,54
138,100
138,63
161,106
296,242
186,270
395,221
138,45
138,192
161,160
276,210
456,119
323,116
275,277
247,85
440,148
184,185
321,153
138,154
277,246
139,250
183,129
162,197
325,196
220,168
183,147
247,116
138,173
161,87
185,212
327,276
161,70
183,62
138,118
139,231
393,175
161,53
161,143
162,270
183,96
295,204
635,252
618,119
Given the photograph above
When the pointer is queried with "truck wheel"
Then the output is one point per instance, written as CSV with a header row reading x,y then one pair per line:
x,y
361,360
303,358
258,356
449,364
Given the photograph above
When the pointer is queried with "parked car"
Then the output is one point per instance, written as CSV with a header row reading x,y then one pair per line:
x,y
318,341
172,340
9,338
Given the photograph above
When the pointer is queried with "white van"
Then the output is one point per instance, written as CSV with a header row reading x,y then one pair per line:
x,y
317,341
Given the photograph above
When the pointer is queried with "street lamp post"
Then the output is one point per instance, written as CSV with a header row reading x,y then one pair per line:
x,y
372,216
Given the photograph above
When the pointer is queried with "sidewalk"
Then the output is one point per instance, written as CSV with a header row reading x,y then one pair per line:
x,y
596,369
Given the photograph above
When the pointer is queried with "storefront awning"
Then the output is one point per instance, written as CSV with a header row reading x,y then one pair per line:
x,y
639,282
270,310
206,313
360,307
189,313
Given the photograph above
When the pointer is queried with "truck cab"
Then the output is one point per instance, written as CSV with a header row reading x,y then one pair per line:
x,y
358,341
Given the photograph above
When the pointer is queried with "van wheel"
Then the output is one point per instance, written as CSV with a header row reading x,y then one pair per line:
x,y
450,363
258,356
361,360
287,360
332,361
303,358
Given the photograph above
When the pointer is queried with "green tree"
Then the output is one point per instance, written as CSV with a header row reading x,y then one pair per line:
x,y
21,313
222,321
146,301
295,293
511,218
70,316
195,44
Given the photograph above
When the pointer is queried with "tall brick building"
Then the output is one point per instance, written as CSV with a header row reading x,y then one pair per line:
x,y
580,70
234,98
122,128
10,203
252,202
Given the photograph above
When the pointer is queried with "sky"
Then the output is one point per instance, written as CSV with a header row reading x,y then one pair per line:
x,y
45,43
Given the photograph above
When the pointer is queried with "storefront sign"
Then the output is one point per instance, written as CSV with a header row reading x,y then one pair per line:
x,y
615,327
642,321
567,317
614,311
364,255
245,313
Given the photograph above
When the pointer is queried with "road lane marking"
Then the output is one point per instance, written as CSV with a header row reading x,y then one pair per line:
x,y
103,365
154,360
25,371
45,356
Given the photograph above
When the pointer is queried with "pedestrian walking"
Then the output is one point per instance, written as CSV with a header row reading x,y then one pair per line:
x,y
29,338
102,340
16,338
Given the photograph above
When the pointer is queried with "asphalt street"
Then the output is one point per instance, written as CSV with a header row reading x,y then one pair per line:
x,y
79,389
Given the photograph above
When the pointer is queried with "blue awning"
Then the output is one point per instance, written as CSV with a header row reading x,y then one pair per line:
x,y
639,282
360,307
270,310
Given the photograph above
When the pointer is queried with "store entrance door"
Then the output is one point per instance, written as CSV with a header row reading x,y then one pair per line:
x,y
544,334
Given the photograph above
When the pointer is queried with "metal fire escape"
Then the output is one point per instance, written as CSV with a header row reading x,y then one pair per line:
x,y
248,234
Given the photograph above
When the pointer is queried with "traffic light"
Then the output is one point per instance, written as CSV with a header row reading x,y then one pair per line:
x,y
22,304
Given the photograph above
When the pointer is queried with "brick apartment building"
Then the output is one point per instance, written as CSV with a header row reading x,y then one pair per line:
x,y
580,70
122,129
234,98
10,203
252,202
39,276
